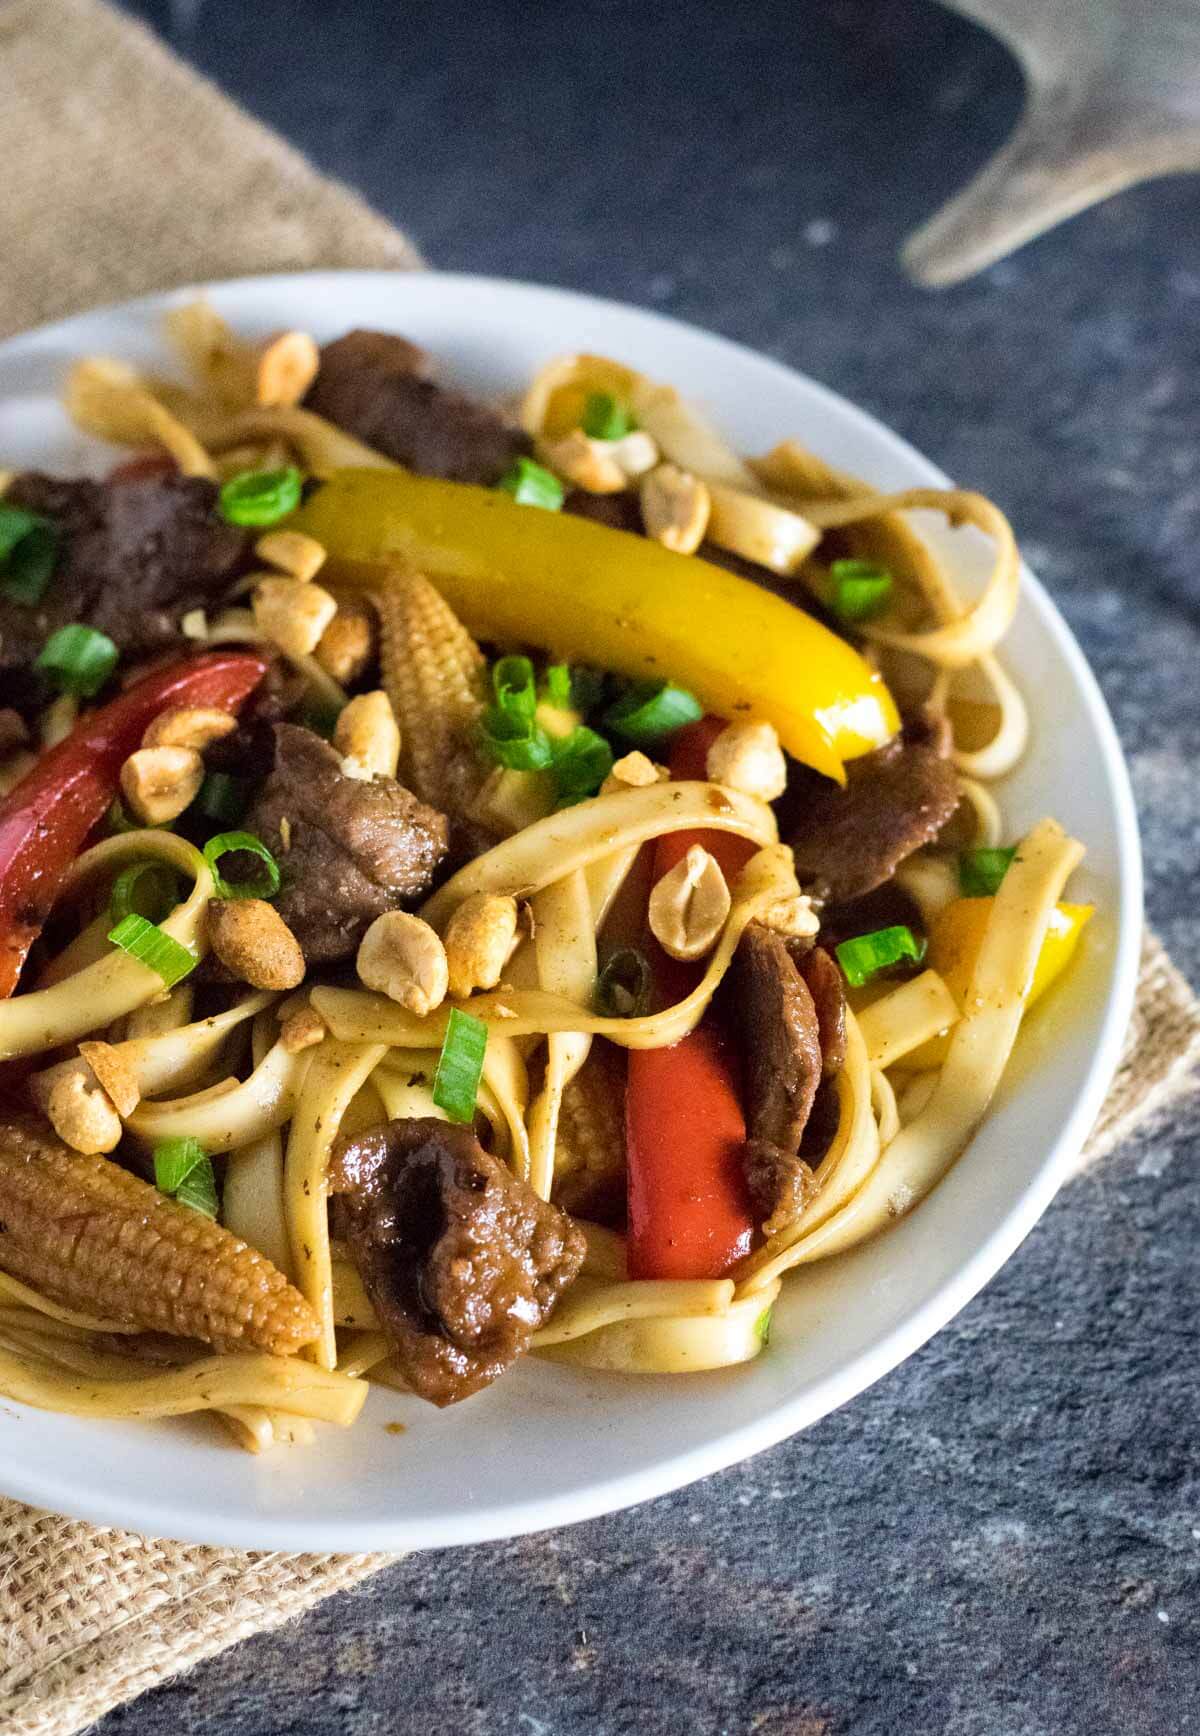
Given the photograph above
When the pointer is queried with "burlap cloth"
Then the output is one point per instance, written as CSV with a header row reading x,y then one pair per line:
x,y
124,172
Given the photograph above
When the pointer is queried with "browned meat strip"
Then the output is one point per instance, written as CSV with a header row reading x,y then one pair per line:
x,y
135,557
781,1183
349,849
462,1261
378,387
827,987
848,841
89,1235
780,1033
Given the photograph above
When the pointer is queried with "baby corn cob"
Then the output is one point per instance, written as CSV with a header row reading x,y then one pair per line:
x,y
436,678
91,1236
589,1158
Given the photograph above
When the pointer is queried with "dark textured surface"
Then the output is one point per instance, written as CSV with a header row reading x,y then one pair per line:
x,y
1003,1537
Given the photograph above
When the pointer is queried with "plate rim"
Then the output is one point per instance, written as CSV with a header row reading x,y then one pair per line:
x,y
153,1515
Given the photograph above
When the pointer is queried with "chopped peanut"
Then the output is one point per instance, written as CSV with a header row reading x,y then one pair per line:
x,y
748,757
253,942
286,367
675,508
635,771
293,613
403,958
348,643
368,737
294,553
302,1029
194,625
599,466
194,726
77,1107
688,906
158,783
115,1074
479,939
793,917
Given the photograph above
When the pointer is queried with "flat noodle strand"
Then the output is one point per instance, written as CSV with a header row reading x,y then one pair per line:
x,y
336,1074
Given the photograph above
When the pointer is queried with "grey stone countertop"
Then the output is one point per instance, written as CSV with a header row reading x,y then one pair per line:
x,y
1002,1538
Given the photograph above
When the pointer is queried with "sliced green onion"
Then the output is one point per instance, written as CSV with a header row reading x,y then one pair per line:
x,y
859,589
222,797
623,986
514,686
259,497
606,419
28,554
78,659
267,883
513,743
118,820
580,765
531,484
183,1169
651,711
510,735
981,871
556,686
153,947
868,954
460,1066
762,1326
158,892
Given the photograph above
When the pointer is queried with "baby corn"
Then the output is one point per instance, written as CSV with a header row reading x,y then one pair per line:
x,y
436,678
91,1236
589,1159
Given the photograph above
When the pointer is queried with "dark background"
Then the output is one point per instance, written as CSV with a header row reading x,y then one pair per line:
x,y
1003,1537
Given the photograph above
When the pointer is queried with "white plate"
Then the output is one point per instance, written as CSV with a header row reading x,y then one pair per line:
x,y
548,1445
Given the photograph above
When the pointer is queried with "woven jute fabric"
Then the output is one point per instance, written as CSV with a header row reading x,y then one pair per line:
x,y
124,173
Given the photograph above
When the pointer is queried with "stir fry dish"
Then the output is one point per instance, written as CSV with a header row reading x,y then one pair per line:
x,y
477,881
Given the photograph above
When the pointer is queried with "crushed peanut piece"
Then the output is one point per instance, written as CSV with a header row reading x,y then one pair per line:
x,y
302,1030
634,771
158,783
293,613
402,957
77,1107
675,508
253,942
793,917
479,941
194,726
599,466
688,906
347,645
115,1074
368,737
747,756
293,552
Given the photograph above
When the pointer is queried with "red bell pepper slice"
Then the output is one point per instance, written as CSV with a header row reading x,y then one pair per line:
x,y
690,1214
45,819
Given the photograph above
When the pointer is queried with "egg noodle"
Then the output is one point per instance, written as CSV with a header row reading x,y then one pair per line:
x,y
232,1082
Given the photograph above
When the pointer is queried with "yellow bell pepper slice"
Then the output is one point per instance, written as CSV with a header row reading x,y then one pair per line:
x,y
520,575
954,941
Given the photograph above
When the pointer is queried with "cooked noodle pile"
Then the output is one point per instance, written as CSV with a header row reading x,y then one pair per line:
x,y
274,1083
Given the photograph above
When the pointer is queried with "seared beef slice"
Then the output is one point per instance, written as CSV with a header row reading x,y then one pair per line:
x,y
135,556
378,387
848,841
780,1032
349,848
462,1261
